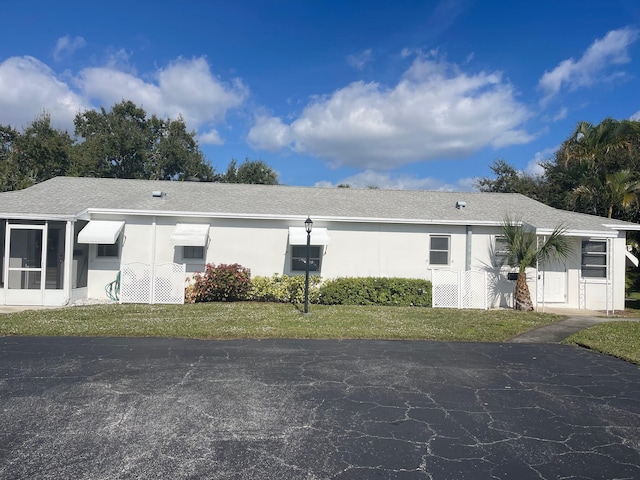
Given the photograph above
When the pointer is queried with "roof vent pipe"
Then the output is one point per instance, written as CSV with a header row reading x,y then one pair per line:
x,y
159,194
460,204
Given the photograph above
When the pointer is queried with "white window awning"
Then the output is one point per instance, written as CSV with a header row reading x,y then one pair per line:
x,y
298,236
100,231
632,258
190,235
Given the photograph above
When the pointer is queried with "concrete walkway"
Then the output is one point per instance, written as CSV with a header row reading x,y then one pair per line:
x,y
556,332
577,321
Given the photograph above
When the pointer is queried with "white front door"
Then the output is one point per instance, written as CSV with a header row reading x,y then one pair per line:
x,y
554,278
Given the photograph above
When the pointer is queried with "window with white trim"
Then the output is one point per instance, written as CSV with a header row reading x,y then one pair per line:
x,y
299,258
192,253
439,247
594,259
500,251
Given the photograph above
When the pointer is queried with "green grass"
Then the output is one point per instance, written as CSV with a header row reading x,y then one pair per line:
x,y
272,320
620,339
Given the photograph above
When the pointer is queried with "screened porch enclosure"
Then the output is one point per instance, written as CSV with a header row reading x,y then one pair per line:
x,y
35,261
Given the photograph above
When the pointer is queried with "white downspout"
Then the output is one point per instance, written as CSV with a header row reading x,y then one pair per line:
x,y
153,259
467,262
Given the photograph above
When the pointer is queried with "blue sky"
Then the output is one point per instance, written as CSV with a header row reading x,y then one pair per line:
x,y
403,94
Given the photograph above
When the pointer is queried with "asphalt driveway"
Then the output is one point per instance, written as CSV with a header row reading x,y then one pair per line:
x,y
293,409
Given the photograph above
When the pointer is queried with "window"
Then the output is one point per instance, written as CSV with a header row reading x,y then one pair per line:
x,y
108,250
192,253
500,251
439,250
594,258
299,258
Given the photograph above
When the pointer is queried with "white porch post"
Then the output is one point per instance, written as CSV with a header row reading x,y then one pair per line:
x,y
68,261
609,276
5,264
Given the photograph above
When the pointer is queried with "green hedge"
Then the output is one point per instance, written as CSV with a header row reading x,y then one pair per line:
x,y
407,292
283,289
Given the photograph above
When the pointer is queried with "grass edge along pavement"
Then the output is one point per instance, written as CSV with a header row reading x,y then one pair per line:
x,y
619,339
274,320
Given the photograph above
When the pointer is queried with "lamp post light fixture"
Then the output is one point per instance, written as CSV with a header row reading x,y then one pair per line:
x,y
308,226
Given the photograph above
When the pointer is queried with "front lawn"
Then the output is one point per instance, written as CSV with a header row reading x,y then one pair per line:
x,y
620,339
274,320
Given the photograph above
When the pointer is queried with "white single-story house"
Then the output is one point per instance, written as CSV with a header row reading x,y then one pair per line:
x,y
66,239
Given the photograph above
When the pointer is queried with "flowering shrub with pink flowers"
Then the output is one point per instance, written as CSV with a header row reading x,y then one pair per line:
x,y
219,283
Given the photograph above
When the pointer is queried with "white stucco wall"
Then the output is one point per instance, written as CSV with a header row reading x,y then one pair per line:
x,y
356,249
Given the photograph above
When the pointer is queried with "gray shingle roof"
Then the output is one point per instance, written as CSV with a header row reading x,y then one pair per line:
x,y
69,196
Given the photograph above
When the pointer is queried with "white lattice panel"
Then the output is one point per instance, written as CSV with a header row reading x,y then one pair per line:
x,y
474,289
135,283
445,288
459,289
144,283
169,283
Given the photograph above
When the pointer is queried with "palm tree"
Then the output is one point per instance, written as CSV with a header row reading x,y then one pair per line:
x,y
524,250
622,189
595,155
591,143
619,190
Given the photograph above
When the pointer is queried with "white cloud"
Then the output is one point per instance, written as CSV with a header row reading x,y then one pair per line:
x,y
66,46
533,167
269,133
371,178
435,111
184,88
561,115
212,137
360,60
29,88
594,65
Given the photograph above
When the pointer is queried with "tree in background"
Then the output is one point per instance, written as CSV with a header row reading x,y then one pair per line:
x,y
38,153
120,143
124,143
250,171
598,145
594,171
9,177
588,166
620,191
509,180
524,250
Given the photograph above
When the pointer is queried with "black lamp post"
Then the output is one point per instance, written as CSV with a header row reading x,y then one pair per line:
x,y
308,225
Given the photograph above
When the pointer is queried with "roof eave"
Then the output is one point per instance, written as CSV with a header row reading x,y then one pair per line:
x,y
38,216
626,227
253,216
